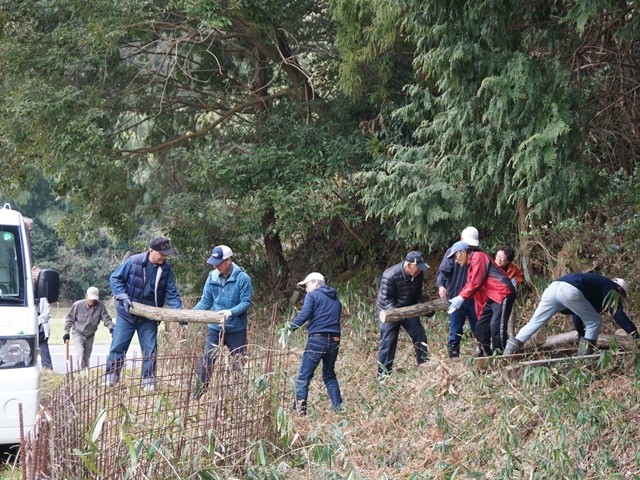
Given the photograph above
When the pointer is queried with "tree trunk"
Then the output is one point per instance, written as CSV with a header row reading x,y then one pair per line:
x,y
273,246
173,315
525,248
570,339
419,310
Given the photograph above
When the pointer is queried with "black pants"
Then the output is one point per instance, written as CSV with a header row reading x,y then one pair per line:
x,y
491,330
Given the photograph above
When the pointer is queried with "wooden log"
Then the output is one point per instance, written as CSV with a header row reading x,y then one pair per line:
x,y
173,315
567,339
418,310
554,342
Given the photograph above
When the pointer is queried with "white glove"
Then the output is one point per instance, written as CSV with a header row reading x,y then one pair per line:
x,y
226,314
455,303
514,281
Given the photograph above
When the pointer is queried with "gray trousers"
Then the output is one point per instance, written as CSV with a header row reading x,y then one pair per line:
x,y
83,346
559,296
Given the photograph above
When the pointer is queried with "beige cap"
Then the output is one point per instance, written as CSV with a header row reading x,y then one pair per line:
x,y
93,293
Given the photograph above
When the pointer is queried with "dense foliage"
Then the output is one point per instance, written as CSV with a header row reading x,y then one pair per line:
x,y
368,126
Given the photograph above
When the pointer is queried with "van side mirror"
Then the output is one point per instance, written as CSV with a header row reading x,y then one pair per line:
x,y
48,285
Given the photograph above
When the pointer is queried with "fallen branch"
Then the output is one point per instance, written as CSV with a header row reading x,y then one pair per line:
x,y
569,339
418,310
173,315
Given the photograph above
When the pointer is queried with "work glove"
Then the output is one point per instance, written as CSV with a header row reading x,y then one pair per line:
x,y
514,281
226,314
455,303
111,331
66,337
124,298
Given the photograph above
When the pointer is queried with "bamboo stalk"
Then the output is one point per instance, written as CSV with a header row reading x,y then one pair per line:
x,y
174,315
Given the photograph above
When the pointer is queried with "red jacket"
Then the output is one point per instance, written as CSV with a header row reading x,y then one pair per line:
x,y
485,280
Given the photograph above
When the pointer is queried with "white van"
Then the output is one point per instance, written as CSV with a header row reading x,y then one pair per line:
x,y
19,365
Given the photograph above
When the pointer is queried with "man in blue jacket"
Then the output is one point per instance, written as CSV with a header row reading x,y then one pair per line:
x,y
227,291
584,295
321,311
401,286
145,278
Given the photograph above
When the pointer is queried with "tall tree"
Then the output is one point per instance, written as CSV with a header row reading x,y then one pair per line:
x,y
207,116
498,123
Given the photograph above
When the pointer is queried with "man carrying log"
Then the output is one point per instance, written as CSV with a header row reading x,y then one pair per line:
x,y
146,278
584,295
228,291
401,286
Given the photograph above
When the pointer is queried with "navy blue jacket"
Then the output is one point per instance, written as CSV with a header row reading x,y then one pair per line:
x,y
137,278
397,289
322,309
595,289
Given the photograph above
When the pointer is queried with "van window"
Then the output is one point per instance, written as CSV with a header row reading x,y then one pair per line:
x,y
11,279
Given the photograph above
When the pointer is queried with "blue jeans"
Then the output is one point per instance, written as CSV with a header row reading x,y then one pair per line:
x,y
389,332
457,318
123,334
320,347
236,342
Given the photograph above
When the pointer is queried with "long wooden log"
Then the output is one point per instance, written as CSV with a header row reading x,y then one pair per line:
x,y
563,340
173,315
418,310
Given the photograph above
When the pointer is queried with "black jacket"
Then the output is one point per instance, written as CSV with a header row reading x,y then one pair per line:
x,y
397,289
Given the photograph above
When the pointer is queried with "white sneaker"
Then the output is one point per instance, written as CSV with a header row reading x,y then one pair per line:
x,y
148,384
109,380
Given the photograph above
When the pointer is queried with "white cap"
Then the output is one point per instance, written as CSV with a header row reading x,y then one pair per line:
x,y
93,293
312,276
470,236
623,284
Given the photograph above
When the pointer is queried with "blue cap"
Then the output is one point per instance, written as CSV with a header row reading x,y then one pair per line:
x,y
219,255
415,258
458,247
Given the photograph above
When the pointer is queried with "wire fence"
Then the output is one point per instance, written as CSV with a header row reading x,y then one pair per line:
x,y
90,430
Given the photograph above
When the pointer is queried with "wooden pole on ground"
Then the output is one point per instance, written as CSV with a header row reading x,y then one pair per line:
x,y
174,315
418,310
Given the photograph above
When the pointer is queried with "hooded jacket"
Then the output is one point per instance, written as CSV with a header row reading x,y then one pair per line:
x,y
322,310
233,293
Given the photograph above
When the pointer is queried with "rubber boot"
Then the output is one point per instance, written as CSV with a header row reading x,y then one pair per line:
x,y
513,346
585,346
454,351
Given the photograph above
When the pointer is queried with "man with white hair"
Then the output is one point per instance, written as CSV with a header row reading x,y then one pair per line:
x,y
450,279
85,317
584,296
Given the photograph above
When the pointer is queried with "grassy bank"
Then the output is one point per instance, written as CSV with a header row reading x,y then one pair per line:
x,y
58,315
